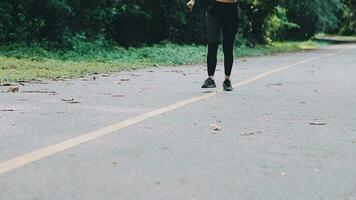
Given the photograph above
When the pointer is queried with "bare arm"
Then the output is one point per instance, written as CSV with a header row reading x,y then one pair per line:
x,y
191,4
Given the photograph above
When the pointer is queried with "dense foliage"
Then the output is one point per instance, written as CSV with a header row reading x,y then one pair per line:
x,y
136,22
349,18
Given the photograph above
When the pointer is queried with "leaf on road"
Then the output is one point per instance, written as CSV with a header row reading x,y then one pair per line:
x,y
275,84
8,110
67,100
107,93
284,174
251,133
118,95
215,127
7,84
73,102
12,90
318,123
70,101
247,134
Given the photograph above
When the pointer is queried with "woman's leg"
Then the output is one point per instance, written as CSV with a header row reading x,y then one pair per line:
x,y
213,31
230,27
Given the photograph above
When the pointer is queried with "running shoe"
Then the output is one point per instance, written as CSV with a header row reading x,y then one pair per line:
x,y
209,83
227,85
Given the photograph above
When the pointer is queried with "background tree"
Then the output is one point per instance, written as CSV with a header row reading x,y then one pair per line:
x,y
60,23
348,17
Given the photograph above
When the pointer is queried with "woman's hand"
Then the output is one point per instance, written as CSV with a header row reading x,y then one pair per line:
x,y
191,4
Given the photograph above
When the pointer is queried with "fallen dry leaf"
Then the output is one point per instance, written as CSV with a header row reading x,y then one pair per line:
x,y
215,127
70,101
275,84
118,95
73,102
67,99
12,90
7,84
251,133
317,123
247,134
8,110
107,93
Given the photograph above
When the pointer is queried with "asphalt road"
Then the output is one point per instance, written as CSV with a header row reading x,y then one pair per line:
x,y
287,133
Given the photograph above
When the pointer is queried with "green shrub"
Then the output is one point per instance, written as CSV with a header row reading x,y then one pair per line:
x,y
277,24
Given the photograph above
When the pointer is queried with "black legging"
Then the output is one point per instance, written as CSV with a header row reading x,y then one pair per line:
x,y
221,16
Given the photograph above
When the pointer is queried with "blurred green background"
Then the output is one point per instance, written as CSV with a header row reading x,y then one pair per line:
x,y
72,38
60,23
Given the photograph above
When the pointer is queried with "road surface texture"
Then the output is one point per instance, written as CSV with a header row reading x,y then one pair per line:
x,y
287,132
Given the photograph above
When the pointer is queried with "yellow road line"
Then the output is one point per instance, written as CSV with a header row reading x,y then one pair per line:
x,y
26,159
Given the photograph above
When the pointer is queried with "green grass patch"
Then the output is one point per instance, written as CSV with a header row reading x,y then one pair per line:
x,y
23,63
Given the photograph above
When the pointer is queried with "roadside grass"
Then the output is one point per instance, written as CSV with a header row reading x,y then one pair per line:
x,y
23,63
